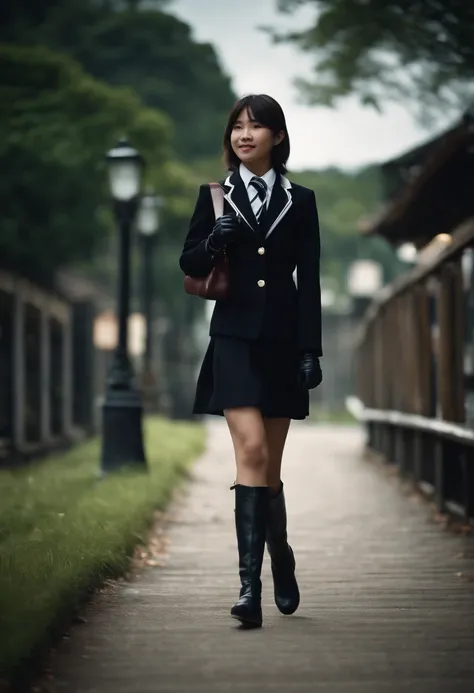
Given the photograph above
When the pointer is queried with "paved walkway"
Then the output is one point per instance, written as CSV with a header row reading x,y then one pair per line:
x,y
386,601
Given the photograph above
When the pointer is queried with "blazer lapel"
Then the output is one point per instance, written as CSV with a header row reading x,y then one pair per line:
x,y
280,202
238,199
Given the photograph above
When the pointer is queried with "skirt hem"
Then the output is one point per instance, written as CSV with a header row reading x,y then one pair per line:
x,y
263,374
265,415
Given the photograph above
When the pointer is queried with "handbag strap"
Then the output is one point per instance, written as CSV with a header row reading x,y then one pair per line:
x,y
217,195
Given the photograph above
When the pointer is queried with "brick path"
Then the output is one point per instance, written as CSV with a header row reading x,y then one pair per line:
x,y
386,603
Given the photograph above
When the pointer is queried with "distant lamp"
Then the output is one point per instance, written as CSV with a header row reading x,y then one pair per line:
x,y
434,248
407,253
328,297
125,171
148,213
148,222
444,238
364,280
122,440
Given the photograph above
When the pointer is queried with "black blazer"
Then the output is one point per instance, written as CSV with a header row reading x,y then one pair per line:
x,y
263,300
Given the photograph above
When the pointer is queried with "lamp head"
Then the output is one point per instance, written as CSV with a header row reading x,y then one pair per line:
x,y
125,171
148,219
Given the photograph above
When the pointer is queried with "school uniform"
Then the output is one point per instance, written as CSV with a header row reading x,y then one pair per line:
x,y
260,330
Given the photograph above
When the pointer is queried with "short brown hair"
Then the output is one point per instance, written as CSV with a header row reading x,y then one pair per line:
x,y
268,112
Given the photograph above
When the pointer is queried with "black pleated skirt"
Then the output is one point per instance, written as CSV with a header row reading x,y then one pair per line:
x,y
241,373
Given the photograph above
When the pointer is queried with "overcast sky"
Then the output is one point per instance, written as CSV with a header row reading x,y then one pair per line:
x,y
347,136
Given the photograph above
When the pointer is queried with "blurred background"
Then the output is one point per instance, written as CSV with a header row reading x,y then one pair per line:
x,y
370,92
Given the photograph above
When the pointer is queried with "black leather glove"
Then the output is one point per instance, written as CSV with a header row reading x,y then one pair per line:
x,y
226,231
310,374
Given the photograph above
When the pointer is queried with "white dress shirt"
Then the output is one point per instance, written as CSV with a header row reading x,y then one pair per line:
x,y
269,178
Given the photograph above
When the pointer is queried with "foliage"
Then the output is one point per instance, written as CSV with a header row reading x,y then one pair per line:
x,y
55,124
20,16
131,44
146,49
64,530
416,50
343,199
168,70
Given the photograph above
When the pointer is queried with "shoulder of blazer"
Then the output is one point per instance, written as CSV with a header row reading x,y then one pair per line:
x,y
301,190
204,204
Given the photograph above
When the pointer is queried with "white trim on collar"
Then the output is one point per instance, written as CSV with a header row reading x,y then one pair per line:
x,y
246,175
285,183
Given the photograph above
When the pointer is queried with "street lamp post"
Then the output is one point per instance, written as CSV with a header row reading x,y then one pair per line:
x,y
148,226
122,440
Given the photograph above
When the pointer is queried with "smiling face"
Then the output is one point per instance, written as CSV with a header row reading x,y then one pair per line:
x,y
253,143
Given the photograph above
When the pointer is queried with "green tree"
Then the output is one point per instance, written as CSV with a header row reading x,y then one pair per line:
x,y
55,124
154,52
421,51
344,198
16,16
147,49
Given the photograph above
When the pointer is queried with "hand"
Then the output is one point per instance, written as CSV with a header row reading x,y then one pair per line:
x,y
310,374
225,232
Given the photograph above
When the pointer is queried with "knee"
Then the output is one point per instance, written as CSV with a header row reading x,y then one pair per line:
x,y
254,454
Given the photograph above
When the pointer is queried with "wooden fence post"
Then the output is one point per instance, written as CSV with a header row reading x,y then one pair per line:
x,y
45,350
18,360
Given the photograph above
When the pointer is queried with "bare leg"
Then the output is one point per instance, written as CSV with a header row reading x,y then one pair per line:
x,y
247,430
276,431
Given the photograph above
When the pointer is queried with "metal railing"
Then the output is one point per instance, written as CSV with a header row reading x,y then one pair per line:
x,y
415,375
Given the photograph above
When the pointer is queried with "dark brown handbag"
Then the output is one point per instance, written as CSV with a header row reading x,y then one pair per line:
x,y
215,286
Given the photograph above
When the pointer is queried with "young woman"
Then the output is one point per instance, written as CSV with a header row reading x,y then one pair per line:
x,y
265,344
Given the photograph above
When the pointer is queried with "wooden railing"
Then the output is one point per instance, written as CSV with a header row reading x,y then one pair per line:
x,y
48,362
415,375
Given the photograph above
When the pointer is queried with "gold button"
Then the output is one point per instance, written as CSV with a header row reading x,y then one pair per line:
x,y
261,283
261,251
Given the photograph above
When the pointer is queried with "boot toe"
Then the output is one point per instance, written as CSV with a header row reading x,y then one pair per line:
x,y
286,591
248,614
287,604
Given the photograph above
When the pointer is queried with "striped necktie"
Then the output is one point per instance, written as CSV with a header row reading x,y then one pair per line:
x,y
258,202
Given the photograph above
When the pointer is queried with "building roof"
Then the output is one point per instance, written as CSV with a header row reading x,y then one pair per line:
x,y
429,189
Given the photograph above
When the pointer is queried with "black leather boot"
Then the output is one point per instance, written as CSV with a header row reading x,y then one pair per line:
x,y
287,594
251,505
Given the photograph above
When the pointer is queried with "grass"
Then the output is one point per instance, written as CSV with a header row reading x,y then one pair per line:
x,y
63,530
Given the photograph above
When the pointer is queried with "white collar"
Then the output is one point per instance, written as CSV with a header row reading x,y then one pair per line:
x,y
246,175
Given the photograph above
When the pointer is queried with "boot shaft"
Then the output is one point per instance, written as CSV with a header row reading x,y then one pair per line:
x,y
277,537
251,509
